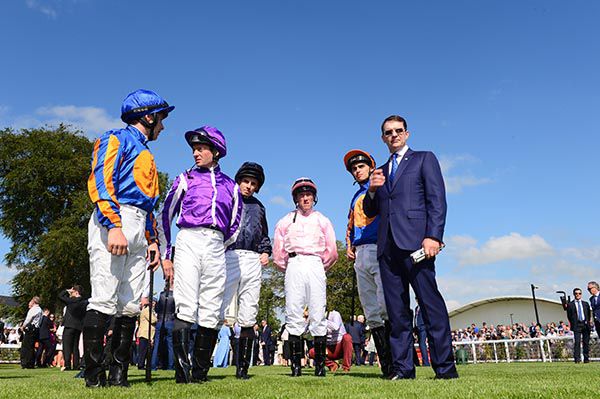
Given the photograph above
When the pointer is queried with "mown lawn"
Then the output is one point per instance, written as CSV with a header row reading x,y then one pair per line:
x,y
532,380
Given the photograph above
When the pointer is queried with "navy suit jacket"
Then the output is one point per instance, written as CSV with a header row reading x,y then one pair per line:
x,y
413,206
265,335
574,317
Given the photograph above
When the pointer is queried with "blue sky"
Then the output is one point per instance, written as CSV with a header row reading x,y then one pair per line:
x,y
504,93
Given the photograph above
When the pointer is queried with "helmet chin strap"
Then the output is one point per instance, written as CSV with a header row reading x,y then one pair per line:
x,y
150,126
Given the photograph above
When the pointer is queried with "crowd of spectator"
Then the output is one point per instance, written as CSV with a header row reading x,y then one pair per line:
x,y
488,332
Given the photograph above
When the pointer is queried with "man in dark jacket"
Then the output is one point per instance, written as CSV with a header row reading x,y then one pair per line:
x,y
265,342
44,348
73,324
579,315
163,347
357,331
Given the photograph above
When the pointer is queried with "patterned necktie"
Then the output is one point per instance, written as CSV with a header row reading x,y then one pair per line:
x,y
580,311
394,167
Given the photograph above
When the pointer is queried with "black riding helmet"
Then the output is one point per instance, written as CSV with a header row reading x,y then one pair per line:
x,y
251,169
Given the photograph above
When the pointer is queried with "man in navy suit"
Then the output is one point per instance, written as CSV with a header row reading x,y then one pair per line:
x,y
409,196
579,315
594,290
265,342
421,334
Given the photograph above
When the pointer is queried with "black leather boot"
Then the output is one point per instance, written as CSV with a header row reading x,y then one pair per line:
x,y
320,355
297,349
121,355
204,345
181,350
244,355
382,344
93,348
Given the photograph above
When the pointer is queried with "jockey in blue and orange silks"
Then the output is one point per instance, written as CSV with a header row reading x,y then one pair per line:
x,y
123,185
361,242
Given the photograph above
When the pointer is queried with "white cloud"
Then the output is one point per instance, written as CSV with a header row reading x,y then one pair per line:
x,y
589,254
91,120
456,183
279,200
511,247
460,242
43,7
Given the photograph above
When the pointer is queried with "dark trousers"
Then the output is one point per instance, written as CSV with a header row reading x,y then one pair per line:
x,y
255,351
71,347
371,358
235,349
423,345
266,355
163,346
28,348
397,272
44,354
142,352
358,354
582,336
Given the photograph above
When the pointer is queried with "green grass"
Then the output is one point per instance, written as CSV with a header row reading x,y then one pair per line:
x,y
532,380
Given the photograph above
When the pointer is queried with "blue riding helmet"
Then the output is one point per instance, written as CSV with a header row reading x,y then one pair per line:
x,y
143,102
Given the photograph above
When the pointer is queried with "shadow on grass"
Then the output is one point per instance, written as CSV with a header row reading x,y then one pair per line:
x,y
142,380
14,377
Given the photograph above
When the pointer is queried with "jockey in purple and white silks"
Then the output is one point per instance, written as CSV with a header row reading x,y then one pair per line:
x,y
206,205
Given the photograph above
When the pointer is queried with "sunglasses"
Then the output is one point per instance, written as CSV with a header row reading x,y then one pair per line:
x,y
398,131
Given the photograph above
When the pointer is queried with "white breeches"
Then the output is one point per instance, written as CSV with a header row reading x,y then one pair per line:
x,y
199,276
370,289
305,284
118,281
242,286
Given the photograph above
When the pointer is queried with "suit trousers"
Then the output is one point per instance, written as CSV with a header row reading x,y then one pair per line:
x,y
28,348
423,345
71,347
397,272
581,334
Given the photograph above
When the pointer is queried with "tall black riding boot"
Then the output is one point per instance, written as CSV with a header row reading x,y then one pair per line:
x,y
121,351
94,325
320,355
181,349
297,352
204,345
244,355
382,344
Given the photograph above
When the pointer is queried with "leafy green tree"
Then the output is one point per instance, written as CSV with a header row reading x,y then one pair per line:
x,y
271,304
44,211
340,286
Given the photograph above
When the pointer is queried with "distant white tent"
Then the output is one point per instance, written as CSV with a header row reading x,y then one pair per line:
x,y
503,310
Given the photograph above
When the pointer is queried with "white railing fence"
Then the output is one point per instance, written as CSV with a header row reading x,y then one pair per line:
x,y
543,349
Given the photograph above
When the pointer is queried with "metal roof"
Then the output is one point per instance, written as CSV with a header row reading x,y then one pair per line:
x,y
481,302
